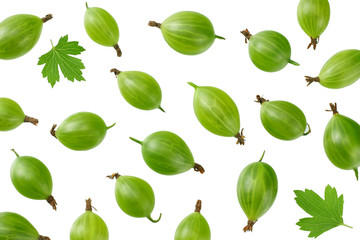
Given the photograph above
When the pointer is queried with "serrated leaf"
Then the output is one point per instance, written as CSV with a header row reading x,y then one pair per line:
x,y
58,56
327,213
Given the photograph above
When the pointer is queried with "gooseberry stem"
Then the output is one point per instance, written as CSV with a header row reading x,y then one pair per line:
x,y
52,130
219,37
193,85
249,226
114,175
47,18
115,71
161,109
89,207
293,62
262,156
135,140
17,155
356,174
246,34
310,80
198,168
43,238
154,221
52,202
260,100
154,24
107,128
31,120
240,137
118,50
314,42
198,206
333,108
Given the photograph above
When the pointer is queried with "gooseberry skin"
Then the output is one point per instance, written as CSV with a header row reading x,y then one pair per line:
x,y
188,32
15,226
101,27
89,226
216,111
283,120
134,196
193,227
256,190
166,153
31,178
18,35
342,142
11,114
140,90
270,51
341,70
313,17
81,131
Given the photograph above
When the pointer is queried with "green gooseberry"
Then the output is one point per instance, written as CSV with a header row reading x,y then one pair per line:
x,y
81,131
134,196
166,153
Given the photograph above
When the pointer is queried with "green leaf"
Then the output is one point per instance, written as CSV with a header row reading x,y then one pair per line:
x,y
327,213
59,56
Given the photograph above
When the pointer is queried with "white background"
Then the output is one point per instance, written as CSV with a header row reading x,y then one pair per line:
x,y
299,164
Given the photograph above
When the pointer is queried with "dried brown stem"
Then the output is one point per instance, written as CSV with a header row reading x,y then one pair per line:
x,y
310,80
47,18
31,120
118,50
260,100
52,130
89,207
249,226
314,42
333,108
246,34
44,238
115,71
114,175
51,200
241,138
198,206
199,168
154,24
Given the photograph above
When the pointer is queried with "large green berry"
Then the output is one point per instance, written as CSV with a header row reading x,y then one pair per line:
x,y
19,34
341,70
270,51
32,179
187,32
89,226
139,89
342,141
12,116
313,17
81,131
15,227
282,119
134,196
193,227
166,153
102,28
217,112
256,190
